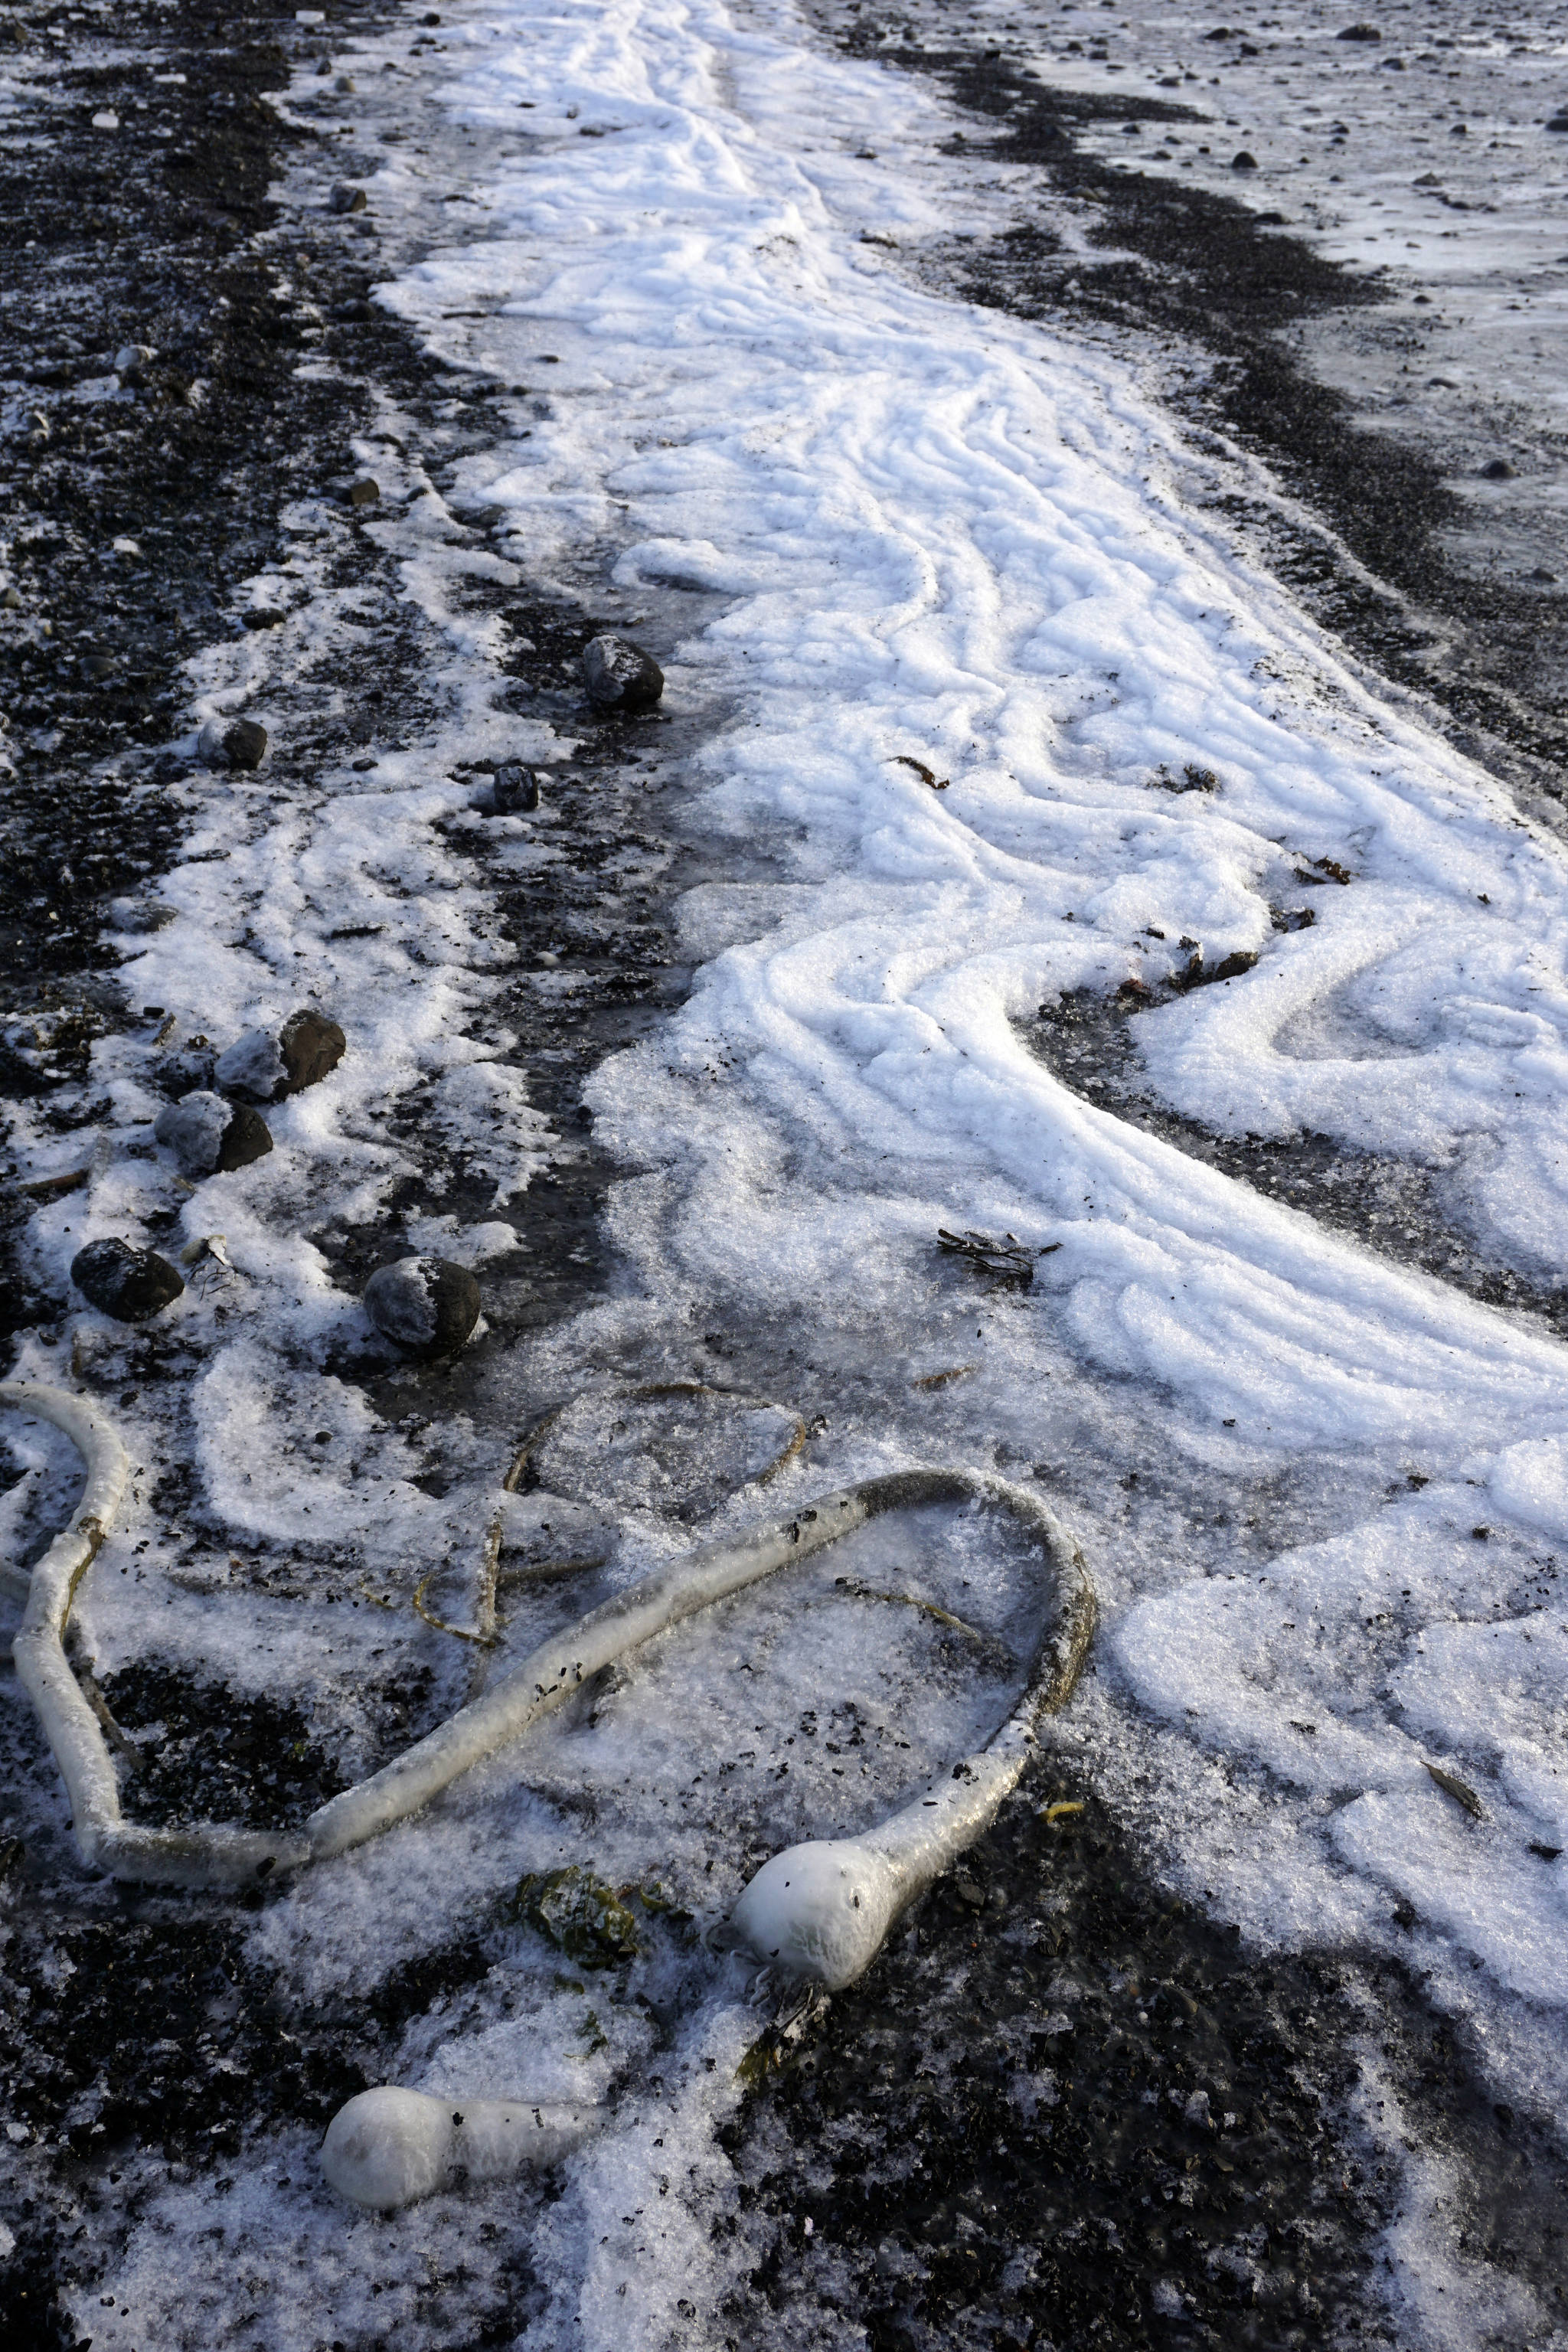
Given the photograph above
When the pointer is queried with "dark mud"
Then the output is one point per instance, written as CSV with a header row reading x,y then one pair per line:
x,y
1216,282
1066,2110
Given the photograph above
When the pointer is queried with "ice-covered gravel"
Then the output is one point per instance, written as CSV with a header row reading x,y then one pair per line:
x,y
970,629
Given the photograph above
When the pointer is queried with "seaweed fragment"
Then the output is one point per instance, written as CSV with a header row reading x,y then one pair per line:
x,y
579,1914
1009,1262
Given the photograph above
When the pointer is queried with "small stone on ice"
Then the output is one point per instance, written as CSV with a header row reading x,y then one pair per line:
x,y
1243,162
426,1306
621,676
346,198
267,1066
232,742
210,1137
364,493
253,1066
131,1285
1497,469
311,1047
516,789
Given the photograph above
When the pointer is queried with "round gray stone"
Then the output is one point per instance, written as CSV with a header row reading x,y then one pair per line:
x,y
426,1306
621,676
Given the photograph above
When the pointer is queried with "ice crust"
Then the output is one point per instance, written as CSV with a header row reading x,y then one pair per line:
x,y
939,534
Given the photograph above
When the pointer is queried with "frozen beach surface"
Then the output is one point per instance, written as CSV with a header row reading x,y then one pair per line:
x,y
990,709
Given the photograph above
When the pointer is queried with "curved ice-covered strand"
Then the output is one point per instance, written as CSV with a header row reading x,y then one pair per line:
x,y
564,1662
206,1856
388,2147
549,1676
820,1911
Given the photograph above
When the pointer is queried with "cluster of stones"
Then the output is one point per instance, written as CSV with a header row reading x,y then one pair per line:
x,y
425,1306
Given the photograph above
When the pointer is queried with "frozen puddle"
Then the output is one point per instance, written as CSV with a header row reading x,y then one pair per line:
x,y
965,624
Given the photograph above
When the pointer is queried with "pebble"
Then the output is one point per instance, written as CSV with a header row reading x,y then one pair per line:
x,y
1359,33
364,493
211,1137
620,675
232,743
426,1306
1497,469
131,1285
1558,123
311,1047
346,198
268,1066
516,789
1243,162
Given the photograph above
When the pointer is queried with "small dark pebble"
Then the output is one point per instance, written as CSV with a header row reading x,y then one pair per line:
x,y
311,1047
1359,33
131,1285
1497,469
516,790
620,675
1558,123
1243,162
362,493
209,1135
233,742
267,1066
346,198
426,1306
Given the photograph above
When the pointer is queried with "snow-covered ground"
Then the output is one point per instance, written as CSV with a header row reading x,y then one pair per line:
x,y
960,634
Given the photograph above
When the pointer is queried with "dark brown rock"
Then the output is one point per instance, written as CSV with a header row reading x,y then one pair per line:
x,y
131,1285
208,1136
246,1137
311,1047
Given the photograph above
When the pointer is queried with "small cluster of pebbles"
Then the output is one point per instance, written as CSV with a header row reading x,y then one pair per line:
x,y
427,1306
424,1306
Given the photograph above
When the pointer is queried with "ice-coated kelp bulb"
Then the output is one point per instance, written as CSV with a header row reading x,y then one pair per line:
x,y
819,1912
389,2148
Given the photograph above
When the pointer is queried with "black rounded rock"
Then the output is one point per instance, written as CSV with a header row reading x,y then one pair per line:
x,y
210,1137
1359,33
621,676
1497,469
426,1306
1243,162
1558,123
346,198
131,1285
515,792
